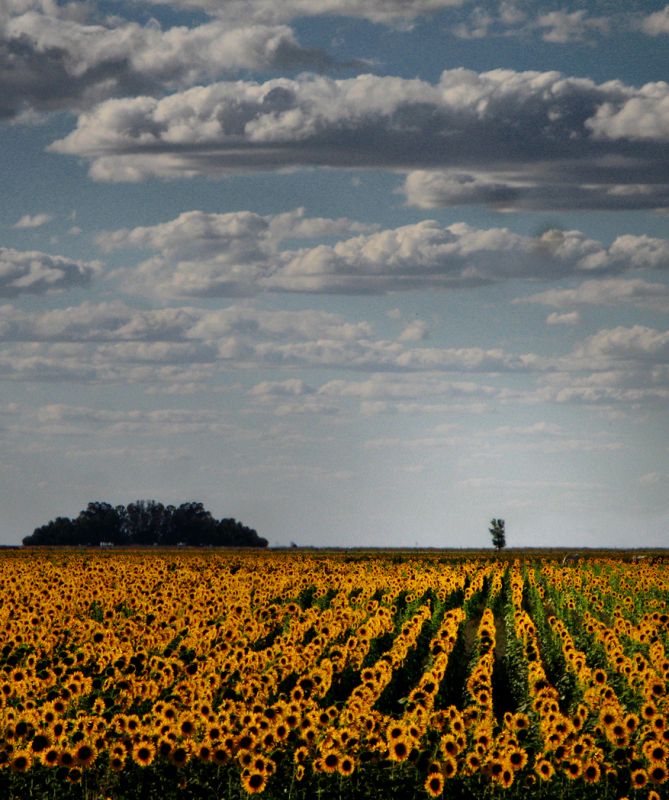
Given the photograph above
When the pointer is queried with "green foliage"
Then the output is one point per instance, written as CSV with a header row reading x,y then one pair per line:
x,y
497,533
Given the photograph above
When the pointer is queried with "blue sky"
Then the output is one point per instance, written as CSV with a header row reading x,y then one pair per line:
x,y
355,273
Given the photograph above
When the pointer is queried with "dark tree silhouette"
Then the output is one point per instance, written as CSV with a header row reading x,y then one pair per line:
x,y
145,522
61,531
497,533
101,522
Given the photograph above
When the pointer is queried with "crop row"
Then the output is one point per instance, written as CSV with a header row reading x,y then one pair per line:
x,y
209,674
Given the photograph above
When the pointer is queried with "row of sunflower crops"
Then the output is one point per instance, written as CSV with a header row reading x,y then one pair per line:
x,y
309,674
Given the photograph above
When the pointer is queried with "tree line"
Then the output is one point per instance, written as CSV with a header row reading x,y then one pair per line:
x,y
145,522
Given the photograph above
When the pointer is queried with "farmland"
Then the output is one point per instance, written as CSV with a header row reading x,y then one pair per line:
x,y
209,674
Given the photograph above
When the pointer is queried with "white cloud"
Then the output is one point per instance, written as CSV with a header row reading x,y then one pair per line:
x,y
389,12
66,419
34,272
66,60
641,117
637,342
563,27
657,23
291,387
398,387
606,392
118,322
32,221
185,346
541,124
415,331
654,478
570,318
510,190
240,254
608,292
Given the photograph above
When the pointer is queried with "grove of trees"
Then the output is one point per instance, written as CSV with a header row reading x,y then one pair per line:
x,y
145,522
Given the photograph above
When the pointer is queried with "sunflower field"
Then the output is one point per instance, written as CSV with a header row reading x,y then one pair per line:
x,y
312,675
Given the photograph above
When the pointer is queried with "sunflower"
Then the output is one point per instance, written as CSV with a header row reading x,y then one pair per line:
x,y
573,769
66,758
21,761
143,753
40,743
179,755
449,745
395,731
346,765
99,706
85,754
657,773
330,762
639,778
449,767
655,751
49,757
473,762
516,758
591,772
116,762
434,785
74,775
253,782
544,769
608,716
505,778
399,749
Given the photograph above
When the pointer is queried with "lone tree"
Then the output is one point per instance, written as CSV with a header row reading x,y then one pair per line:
x,y
497,533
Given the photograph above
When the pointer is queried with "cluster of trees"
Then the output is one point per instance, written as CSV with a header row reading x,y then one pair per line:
x,y
145,522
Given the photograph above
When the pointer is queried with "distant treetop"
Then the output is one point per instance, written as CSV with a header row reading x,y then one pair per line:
x,y
145,522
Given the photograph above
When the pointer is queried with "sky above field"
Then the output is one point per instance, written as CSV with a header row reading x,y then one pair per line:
x,y
355,272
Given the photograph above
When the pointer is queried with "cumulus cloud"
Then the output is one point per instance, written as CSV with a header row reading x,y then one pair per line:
x,y
641,117
529,191
32,221
502,119
563,26
291,387
117,322
55,57
399,387
241,254
111,342
415,331
414,393
570,318
291,396
657,23
635,343
204,255
614,392
608,292
33,272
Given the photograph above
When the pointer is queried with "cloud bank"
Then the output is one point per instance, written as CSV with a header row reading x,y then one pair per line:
x,y
571,127
198,255
56,57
